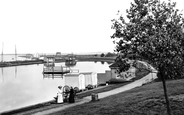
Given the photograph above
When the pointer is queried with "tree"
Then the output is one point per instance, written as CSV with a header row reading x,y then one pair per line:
x,y
109,54
153,32
102,55
123,64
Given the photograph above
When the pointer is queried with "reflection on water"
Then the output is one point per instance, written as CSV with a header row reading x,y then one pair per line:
x,y
24,85
2,79
2,73
15,71
52,76
102,62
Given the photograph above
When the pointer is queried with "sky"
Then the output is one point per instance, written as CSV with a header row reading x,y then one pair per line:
x,y
66,26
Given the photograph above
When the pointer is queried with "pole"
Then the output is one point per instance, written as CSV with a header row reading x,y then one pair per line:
x,y
15,53
2,52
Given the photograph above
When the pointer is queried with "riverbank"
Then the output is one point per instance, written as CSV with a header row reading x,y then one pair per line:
x,y
89,93
144,100
19,63
84,100
52,104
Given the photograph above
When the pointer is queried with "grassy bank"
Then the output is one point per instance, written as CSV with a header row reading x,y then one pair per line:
x,y
103,89
144,100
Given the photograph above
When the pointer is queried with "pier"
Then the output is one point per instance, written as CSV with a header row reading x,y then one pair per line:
x,y
56,70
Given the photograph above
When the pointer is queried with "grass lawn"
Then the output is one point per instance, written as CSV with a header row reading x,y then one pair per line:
x,y
145,100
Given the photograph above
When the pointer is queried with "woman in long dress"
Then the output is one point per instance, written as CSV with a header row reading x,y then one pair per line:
x,y
60,95
72,95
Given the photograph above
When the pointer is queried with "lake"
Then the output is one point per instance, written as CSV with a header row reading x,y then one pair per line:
x,y
22,86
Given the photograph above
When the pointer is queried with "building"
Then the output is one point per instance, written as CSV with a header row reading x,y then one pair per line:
x,y
127,75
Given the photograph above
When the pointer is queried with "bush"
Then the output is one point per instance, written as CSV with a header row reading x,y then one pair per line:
x,y
89,86
76,89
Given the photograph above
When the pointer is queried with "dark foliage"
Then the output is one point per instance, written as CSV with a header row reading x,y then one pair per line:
x,y
154,33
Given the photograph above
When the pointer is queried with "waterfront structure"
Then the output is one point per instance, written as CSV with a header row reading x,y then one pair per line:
x,y
58,53
127,75
104,77
29,56
49,59
58,56
70,60
90,79
50,69
56,70
78,80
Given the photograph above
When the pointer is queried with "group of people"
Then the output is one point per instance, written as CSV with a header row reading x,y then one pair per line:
x,y
59,98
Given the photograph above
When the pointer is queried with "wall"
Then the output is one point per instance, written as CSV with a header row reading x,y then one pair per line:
x,y
104,77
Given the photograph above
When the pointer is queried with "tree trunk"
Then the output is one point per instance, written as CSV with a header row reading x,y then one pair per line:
x,y
165,91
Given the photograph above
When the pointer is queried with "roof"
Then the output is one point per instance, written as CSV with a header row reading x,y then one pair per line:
x,y
50,56
114,65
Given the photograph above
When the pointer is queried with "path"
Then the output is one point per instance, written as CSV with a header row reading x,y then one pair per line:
x,y
134,84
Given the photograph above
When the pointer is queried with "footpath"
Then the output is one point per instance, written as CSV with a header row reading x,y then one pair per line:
x,y
102,95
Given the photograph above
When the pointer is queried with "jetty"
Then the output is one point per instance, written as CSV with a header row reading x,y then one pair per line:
x,y
56,70
51,69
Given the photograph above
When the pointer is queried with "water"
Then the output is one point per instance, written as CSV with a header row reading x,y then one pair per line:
x,y
25,85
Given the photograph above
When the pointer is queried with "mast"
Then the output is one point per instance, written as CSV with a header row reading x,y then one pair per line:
x,y
2,52
15,53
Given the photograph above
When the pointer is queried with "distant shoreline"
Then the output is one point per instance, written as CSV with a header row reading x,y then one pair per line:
x,y
39,61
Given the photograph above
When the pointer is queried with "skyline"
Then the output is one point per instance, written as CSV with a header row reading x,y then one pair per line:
x,y
45,26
